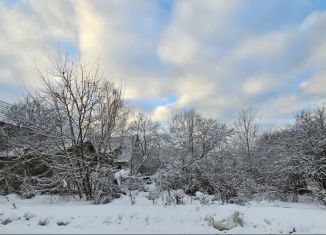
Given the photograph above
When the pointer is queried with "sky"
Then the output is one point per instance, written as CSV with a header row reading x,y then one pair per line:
x,y
218,56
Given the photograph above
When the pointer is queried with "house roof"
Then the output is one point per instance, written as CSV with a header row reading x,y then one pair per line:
x,y
120,147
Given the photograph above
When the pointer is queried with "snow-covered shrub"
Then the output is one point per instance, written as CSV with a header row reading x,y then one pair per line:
x,y
226,192
43,221
169,200
105,189
174,197
27,189
274,194
247,190
319,195
131,185
62,223
179,196
6,221
132,196
3,185
205,200
168,179
149,184
154,194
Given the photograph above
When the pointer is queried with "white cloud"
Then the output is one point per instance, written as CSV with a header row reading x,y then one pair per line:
x,y
186,45
153,59
315,86
280,108
193,22
161,113
315,27
29,33
262,46
179,50
259,84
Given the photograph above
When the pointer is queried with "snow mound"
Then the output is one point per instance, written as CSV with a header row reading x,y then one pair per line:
x,y
236,219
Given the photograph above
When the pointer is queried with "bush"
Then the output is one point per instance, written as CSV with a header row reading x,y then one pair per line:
x,y
43,222
62,223
105,189
27,189
153,195
6,221
179,196
205,200
319,195
169,200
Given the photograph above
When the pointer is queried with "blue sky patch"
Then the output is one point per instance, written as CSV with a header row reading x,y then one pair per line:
x,y
149,104
12,2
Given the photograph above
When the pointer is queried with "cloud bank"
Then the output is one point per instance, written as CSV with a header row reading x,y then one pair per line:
x,y
217,56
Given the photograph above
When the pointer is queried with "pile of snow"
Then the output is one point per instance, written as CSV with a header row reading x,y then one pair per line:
x,y
234,220
44,214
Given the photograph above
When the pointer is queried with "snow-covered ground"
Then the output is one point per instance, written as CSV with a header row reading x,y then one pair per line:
x,y
39,215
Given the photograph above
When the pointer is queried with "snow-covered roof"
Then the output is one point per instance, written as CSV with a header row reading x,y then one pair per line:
x,y
43,149
120,148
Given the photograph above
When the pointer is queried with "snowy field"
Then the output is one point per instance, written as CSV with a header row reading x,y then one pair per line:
x,y
40,215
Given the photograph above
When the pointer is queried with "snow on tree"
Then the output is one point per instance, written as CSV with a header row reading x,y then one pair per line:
x,y
146,145
68,124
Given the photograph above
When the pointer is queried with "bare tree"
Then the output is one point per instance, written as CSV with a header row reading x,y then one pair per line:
x,y
247,130
196,137
182,131
148,140
75,112
193,142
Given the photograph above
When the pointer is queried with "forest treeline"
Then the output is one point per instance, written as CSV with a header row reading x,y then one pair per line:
x,y
59,141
